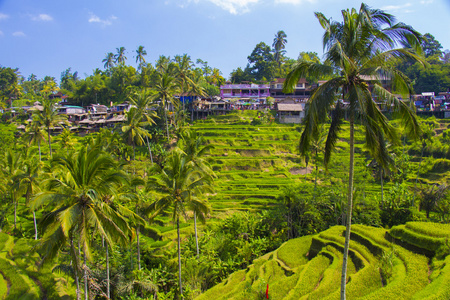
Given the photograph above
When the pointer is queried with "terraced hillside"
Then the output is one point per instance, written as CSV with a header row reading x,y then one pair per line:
x,y
411,261
20,277
253,162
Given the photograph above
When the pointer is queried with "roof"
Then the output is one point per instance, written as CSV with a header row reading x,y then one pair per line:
x,y
282,80
290,107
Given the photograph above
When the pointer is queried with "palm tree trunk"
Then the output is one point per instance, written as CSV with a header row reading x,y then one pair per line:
x,y
75,270
418,172
86,294
382,188
107,273
39,147
138,248
35,226
15,213
179,257
196,236
149,149
49,142
131,257
167,124
349,208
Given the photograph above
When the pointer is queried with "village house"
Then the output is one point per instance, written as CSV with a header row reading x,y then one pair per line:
x,y
290,111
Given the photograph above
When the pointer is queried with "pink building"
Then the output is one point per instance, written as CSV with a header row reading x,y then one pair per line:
x,y
251,90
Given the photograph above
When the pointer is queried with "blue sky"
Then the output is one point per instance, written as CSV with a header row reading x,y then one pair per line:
x,y
46,37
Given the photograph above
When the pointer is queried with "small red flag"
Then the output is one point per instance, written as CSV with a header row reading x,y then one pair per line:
x,y
267,292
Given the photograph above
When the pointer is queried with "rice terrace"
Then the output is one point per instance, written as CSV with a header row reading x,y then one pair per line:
x,y
307,178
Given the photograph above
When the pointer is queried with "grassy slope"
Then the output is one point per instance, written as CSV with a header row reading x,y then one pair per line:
x,y
309,268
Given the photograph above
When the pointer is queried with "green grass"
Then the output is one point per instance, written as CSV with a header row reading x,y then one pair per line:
x,y
309,268
300,247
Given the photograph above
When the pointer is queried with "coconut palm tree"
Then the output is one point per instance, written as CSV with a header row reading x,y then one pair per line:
x,y
49,118
279,44
133,129
181,184
11,167
140,53
143,100
120,56
66,140
35,134
75,199
165,89
109,61
27,180
183,73
193,145
360,48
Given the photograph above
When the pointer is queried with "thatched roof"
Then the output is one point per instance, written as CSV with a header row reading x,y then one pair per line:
x,y
290,107
117,118
86,121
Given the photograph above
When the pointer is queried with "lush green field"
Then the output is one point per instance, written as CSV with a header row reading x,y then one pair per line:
x,y
381,267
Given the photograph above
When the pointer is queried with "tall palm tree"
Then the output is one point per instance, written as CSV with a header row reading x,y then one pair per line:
x,y
165,89
193,145
196,89
49,118
11,167
279,44
133,128
361,47
75,196
180,184
28,179
140,53
143,100
35,134
109,61
120,56
183,73
66,140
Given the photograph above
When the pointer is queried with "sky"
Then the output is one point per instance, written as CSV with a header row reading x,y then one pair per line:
x,y
46,37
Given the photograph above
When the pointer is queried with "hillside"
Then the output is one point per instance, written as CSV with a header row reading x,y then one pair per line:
x,y
20,277
410,261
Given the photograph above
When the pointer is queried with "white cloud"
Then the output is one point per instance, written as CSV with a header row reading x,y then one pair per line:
x,y
235,6
42,17
395,8
104,22
295,2
3,16
426,2
1,33
19,34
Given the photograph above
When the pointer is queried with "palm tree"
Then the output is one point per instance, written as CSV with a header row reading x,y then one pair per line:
x,y
196,89
133,128
193,145
109,61
27,180
359,48
183,73
180,183
165,89
11,167
279,44
35,134
120,56
49,118
140,53
66,140
143,100
75,195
